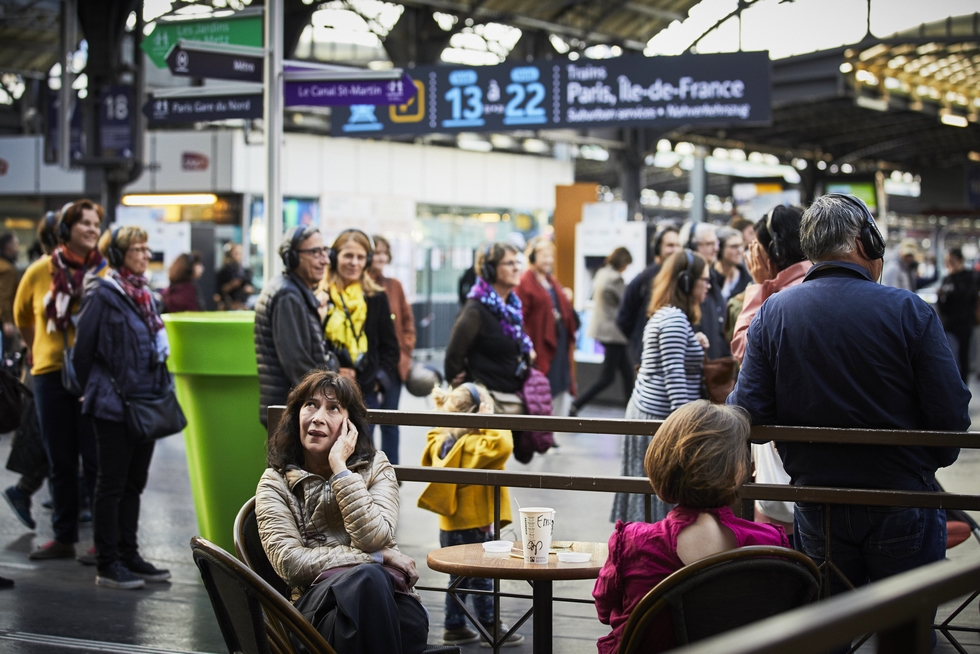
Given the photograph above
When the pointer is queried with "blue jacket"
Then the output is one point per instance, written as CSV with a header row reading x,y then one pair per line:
x,y
112,339
840,350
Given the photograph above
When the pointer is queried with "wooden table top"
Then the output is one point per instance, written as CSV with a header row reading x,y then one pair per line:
x,y
473,561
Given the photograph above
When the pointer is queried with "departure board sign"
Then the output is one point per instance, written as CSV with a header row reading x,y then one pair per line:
x,y
715,89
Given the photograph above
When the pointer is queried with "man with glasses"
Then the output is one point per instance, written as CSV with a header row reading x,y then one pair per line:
x,y
288,329
703,239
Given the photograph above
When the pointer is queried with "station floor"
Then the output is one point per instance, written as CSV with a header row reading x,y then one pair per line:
x,y
56,607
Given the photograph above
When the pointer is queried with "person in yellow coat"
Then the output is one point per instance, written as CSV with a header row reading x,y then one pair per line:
x,y
466,511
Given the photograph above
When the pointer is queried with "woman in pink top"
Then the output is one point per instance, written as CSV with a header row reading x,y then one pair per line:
x,y
775,261
697,459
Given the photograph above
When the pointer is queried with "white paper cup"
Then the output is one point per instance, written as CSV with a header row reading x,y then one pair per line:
x,y
537,525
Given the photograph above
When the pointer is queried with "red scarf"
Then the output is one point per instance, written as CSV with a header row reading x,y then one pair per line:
x,y
135,287
68,271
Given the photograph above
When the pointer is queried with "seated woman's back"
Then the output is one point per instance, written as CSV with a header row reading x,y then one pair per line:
x,y
706,536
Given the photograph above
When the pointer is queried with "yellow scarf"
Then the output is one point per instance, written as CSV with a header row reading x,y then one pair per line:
x,y
339,330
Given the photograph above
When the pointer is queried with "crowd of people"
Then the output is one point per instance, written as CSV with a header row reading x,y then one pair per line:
x,y
792,301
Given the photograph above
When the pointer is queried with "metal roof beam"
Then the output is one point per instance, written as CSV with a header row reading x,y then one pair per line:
x,y
653,12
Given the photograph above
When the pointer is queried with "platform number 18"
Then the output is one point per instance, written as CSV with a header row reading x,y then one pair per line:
x,y
526,95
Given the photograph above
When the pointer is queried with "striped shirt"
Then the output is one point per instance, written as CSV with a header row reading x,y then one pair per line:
x,y
670,367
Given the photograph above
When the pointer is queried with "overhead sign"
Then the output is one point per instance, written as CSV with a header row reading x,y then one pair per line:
x,y
348,92
244,28
216,62
116,123
203,108
715,89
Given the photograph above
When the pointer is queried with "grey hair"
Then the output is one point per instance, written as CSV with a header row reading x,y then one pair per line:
x,y
725,233
700,231
829,228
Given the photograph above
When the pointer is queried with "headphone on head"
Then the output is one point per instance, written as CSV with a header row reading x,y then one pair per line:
x,y
488,271
775,250
64,231
658,238
474,395
48,234
291,240
332,253
871,238
691,245
112,252
685,280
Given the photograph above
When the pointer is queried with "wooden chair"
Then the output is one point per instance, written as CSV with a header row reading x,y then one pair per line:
x,y
243,602
718,593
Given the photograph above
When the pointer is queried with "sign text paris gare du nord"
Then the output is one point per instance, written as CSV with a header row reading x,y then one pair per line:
x,y
718,89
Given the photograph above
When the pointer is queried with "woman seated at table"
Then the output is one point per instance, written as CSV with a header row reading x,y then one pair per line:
x,y
327,510
698,459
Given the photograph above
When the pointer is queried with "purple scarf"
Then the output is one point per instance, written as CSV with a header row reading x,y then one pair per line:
x,y
508,313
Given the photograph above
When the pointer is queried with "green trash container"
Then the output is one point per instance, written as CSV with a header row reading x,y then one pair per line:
x,y
212,358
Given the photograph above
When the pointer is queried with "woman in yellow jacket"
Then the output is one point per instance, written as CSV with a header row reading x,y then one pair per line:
x,y
466,511
44,310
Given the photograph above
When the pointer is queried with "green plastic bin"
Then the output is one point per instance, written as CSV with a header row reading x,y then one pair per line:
x,y
212,358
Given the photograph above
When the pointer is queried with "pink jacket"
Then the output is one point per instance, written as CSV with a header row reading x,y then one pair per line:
x,y
641,555
756,294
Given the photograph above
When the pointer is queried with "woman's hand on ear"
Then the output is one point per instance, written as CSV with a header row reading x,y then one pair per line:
x,y
343,447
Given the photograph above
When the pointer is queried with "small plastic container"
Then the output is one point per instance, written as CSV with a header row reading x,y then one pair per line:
x,y
498,546
574,557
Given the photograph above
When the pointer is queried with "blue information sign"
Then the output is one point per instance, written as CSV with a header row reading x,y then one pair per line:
x,y
718,89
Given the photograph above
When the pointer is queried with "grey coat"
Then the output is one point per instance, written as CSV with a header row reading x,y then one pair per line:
x,y
608,288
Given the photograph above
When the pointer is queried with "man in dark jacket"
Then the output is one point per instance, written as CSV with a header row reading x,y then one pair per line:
x,y
288,330
631,316
840,350
957,304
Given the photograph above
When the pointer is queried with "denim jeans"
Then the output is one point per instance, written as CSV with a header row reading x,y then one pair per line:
x,y
66,434
483,604
870,542
123,467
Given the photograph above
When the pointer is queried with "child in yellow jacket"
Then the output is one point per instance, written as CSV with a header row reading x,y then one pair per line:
x,y
466,511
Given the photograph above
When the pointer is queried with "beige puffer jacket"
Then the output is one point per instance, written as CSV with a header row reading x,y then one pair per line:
x,y
308,525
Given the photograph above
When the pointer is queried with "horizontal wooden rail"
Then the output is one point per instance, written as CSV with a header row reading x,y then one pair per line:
x,y
898,608
523,479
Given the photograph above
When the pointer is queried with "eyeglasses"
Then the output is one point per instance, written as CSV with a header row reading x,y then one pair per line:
x,y
141,250
512,264
736,246
316,252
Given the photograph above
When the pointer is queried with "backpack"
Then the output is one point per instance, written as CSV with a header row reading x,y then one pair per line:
x,y
11,398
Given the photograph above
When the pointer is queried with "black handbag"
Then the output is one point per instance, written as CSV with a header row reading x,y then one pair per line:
x,y
68,377
149,417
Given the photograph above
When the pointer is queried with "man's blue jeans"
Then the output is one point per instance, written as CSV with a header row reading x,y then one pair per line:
x,y
869,543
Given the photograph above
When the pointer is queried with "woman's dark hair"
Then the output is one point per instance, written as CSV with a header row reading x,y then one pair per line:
x,y
182,269
380,240
740,223
284,445
779,234
74,211
956,253
619,258
666,290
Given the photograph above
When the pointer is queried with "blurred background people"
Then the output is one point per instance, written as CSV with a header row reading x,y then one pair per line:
x,y
466,281
550,322
728,271
703,239
289,339
670,368
607,291
233,281
488,344
631,316
120,350
9,276
184,293
359,325
404,321
902,271
46,302
746,227
957,305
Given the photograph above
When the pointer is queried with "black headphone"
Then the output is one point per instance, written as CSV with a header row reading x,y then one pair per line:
x,y
332,253
691,245
658,238
871,238
774,249
64,231
112,252
48,234
474,395
685,280
291,240
488,271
